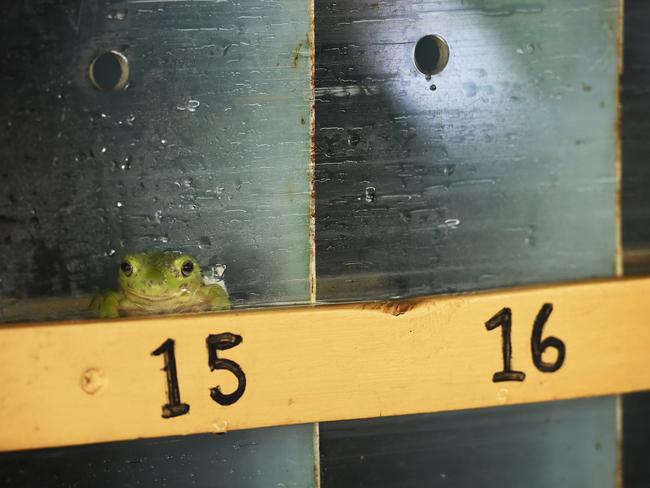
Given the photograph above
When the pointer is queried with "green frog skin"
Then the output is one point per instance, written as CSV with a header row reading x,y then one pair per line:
x,y
159,282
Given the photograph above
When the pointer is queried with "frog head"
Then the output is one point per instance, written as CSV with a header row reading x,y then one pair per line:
x,y
158,276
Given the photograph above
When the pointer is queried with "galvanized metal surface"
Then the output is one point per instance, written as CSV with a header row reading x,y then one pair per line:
x,y
206,151
279,457
568,444
502,175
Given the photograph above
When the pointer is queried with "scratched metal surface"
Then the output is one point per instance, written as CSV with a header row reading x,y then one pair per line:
x,y
503,175
206,151
563,444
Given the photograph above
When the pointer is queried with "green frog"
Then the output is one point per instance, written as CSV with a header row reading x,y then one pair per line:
x,y
159,282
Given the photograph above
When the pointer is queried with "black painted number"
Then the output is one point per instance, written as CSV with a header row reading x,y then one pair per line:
x,y
221,342
538,346
503,319
215,342
174,408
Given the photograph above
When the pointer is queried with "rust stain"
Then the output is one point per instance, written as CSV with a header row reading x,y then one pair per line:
x,y
311,41
394,308
295,55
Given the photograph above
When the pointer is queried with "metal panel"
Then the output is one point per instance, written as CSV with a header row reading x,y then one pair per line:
x,y
568,444
246,459
502,175
207,150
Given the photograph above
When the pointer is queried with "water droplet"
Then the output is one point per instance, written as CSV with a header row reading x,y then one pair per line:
x,y
163,141
527,49
158,216
353,139
433,87
103,149
370,194
126,164
470,89
449,169
118,204
427,77
191,106
111,252
452,223
117,14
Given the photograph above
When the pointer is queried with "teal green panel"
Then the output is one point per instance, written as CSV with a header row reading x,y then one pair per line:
x,y
278,458
206,151
502,175
569,444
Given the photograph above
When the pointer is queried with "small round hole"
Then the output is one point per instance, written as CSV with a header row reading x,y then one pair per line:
x,y
431,54
109,71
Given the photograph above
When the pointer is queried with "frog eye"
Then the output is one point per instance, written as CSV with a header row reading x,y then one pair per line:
x,y
187,268
126,268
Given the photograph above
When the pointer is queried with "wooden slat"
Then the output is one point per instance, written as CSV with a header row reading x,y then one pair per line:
x,y
85,382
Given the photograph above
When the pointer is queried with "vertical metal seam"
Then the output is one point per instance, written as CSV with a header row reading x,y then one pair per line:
x,y
312,205
316,438
312,154
618,164
620,44
618,476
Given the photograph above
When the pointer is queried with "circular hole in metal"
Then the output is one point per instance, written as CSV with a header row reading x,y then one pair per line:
x,y
431,54
109,71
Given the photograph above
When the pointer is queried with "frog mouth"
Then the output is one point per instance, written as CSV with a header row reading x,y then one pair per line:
x,y
156,298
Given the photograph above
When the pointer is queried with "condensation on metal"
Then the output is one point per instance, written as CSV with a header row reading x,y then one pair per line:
x,y
499,170
206,150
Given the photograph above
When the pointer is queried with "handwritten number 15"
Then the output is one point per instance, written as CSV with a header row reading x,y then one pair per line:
x,y
215,342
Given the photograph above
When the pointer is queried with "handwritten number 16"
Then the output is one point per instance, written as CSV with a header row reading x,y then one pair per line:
x,y
503,319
